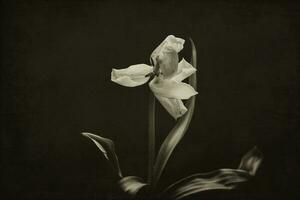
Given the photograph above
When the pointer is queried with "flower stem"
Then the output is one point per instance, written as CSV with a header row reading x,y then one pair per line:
x,y
151,137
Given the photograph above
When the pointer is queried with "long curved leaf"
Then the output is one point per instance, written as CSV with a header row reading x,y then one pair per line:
x,y
179,129
107,147
224,179
131,185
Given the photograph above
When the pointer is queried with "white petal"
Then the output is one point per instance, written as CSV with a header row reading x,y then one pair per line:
x,y
171,89
132,76
175,107
168,64
185,69
170,44
174,43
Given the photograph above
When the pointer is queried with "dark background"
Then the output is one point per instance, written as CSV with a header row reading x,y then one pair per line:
x,y
55,83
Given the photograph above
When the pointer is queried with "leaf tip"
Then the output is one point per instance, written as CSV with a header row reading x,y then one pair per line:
x,y
251,161
86,134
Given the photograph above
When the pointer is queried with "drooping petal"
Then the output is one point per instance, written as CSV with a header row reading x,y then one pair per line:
x,y
185,69
132,76
171,89
175,107
170,44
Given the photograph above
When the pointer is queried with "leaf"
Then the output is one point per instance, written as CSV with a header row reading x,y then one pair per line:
x,y
131,185
224,179
107,147
179,129
251,161
220,179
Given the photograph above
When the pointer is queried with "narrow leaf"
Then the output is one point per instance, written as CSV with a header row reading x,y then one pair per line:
x,y
131,185
151,136
251,161
224,179
179,130
107,147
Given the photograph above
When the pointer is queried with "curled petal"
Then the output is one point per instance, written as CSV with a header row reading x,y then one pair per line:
x,y
132,76
171,89
170,44
185,69
175,107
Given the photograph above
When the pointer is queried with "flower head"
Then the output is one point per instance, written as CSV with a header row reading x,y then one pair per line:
x,y
168,74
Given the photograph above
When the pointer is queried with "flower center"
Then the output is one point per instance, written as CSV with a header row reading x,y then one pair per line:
x,y
155,68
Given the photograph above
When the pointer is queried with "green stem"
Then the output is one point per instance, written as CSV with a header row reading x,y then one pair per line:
x,y
151,137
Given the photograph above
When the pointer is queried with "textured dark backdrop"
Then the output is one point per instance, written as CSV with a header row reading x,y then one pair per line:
x,y
55,83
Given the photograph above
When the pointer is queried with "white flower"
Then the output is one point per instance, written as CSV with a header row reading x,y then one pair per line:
x,y
167,84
